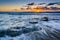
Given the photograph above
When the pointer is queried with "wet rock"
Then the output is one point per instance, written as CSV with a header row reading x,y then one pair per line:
x,y
44,19
40,28
2,33
13,33
15,27
33,22
26,30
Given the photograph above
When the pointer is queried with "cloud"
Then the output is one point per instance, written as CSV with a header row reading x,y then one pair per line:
x,y
30,4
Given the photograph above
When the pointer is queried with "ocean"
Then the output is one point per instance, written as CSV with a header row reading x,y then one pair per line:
x,y
29,26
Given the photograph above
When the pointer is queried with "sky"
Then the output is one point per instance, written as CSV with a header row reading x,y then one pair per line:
x,y
12,4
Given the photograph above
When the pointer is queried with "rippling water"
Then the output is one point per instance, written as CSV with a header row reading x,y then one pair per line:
x,y
15,26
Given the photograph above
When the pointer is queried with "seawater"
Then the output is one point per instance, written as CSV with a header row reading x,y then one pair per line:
x,y
42,30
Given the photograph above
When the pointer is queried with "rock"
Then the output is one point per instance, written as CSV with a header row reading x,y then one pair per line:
x,y
2,33
13,33
44,19
15,27
27,30
33,22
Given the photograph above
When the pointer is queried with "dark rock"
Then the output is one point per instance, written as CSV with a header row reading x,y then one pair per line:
x,y
40,28
44,19
33,22
2,33
15,27
27,30
13,33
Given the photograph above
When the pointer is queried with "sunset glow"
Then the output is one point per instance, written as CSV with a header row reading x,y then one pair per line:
x,y
21,6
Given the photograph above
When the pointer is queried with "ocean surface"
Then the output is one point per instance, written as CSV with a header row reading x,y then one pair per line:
x,y
29,26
